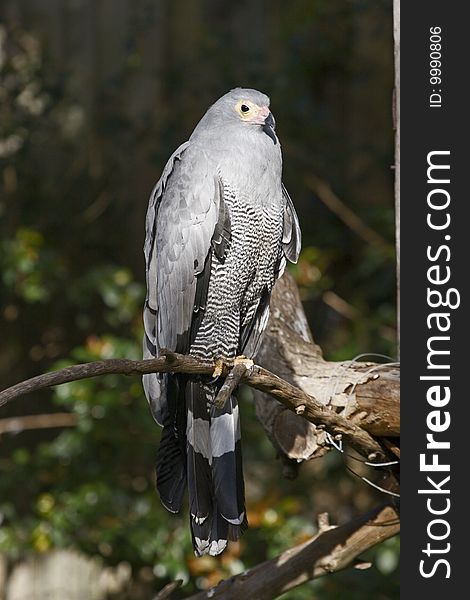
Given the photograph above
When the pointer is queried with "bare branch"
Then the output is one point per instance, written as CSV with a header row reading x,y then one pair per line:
x,y
258,378
17,424
168,362
168,590
324,192
332,550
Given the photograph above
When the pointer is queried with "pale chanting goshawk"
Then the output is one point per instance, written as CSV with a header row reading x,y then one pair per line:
x,y
220,226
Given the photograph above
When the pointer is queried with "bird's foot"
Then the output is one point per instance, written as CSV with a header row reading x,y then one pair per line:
x,y
241,365
218,369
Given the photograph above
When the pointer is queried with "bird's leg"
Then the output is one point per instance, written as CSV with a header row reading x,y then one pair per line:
x,y
241,365
218,369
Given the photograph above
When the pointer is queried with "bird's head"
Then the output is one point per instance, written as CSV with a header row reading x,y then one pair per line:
x,y
240,107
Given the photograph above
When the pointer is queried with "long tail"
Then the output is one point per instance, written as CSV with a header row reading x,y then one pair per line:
x,y
214,470
171,457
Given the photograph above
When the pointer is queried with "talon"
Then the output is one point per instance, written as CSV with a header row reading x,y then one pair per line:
x,y
219,367
241,364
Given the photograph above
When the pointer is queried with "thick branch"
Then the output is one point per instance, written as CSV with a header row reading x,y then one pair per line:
x,y
332,550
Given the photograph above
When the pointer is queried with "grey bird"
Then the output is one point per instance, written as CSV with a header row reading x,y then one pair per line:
x,y
220,226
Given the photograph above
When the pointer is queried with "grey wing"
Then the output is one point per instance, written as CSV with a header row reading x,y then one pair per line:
x,y
149,247
181,219
291,237
291,243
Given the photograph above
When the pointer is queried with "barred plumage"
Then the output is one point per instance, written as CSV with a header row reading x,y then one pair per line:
x,y
220,226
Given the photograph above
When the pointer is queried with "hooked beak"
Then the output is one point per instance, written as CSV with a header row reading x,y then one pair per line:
x,y
269,127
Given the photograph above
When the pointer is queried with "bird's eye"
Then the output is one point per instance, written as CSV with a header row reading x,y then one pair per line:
x,y
244,108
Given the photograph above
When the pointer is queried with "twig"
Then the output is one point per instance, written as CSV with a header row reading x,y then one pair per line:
x,y
16,424
340,305
168,590
258,378
332,550
324,192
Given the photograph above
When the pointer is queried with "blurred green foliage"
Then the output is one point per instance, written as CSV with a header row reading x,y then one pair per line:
x,y
93,99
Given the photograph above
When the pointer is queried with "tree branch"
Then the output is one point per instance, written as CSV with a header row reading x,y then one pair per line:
x,y
169,362
17,424
324,192
259,378
332,550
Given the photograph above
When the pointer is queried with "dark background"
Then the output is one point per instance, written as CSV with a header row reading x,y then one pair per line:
x,y
94,97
